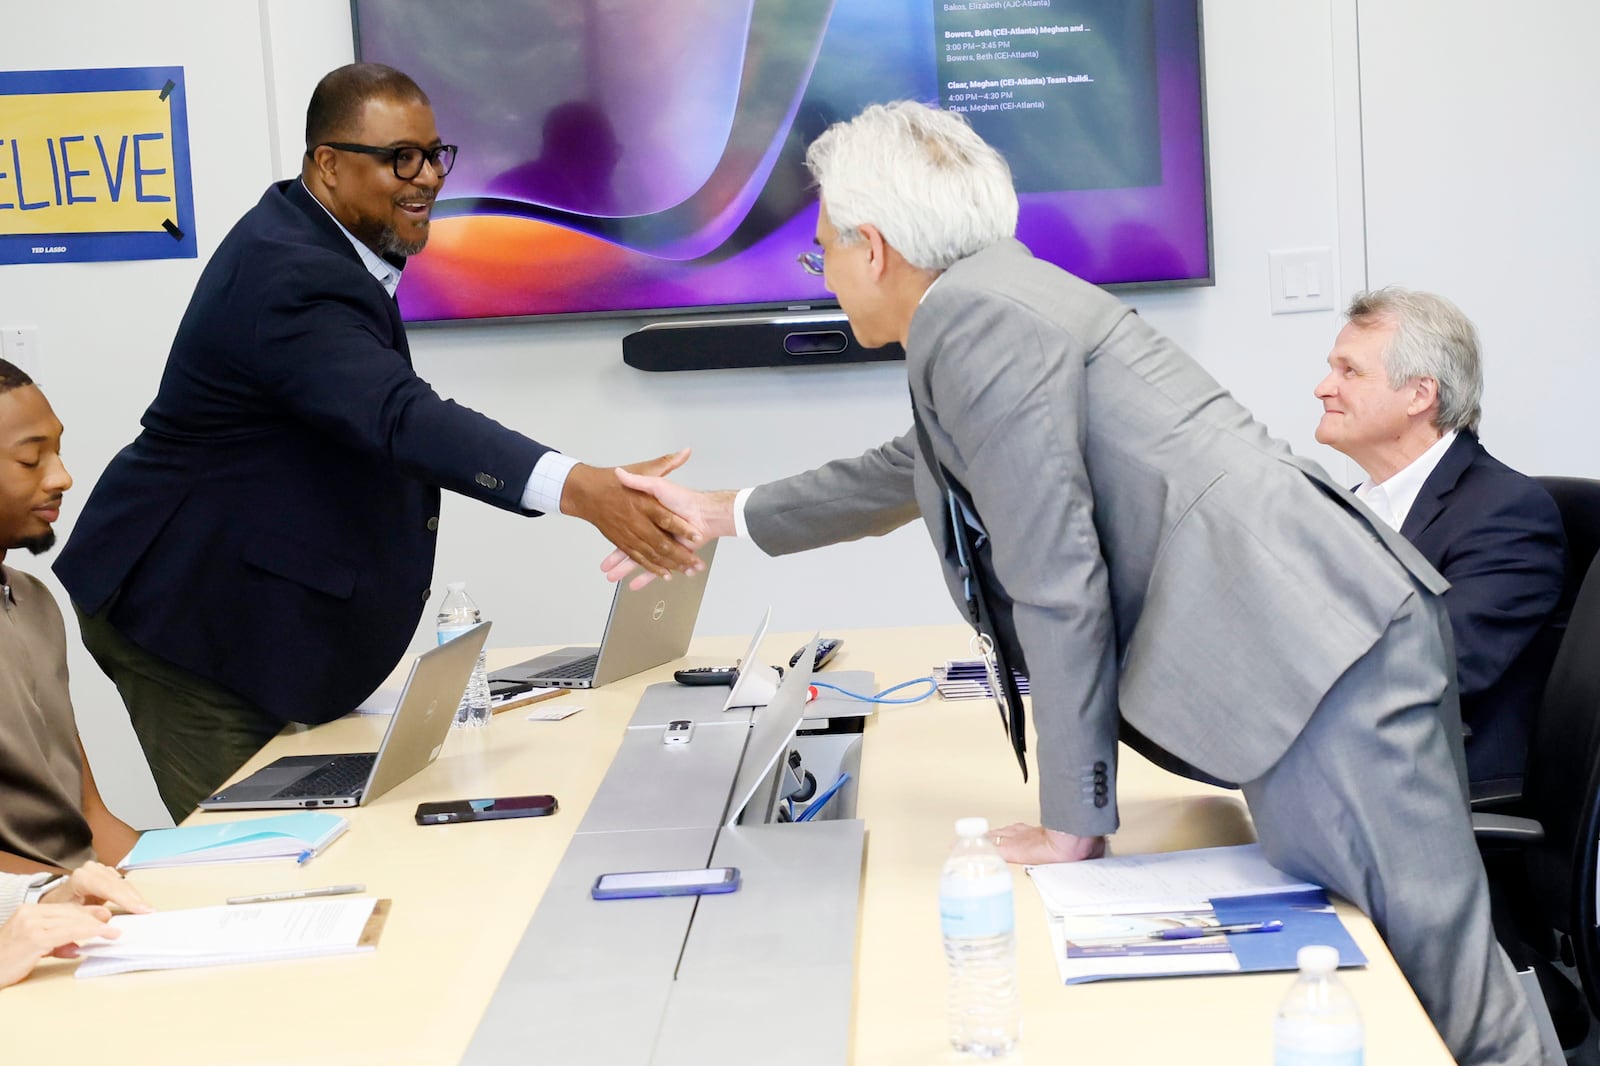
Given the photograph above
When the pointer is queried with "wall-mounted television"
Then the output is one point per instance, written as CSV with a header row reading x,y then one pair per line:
x,y
644,157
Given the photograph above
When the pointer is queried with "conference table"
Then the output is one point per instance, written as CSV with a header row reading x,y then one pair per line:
x,y
463,894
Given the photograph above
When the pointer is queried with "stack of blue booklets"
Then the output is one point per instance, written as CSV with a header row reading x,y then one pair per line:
x,y
299,835
1211,910
968,679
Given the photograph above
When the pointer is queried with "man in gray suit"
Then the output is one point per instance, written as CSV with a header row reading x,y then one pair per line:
x,y
1160,564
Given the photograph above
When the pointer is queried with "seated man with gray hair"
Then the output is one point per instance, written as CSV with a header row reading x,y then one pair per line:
x,y
1402,399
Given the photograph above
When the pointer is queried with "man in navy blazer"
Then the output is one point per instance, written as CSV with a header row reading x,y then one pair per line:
x,y
1402,399
262,552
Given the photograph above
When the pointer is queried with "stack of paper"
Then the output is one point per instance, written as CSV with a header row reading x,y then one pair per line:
x,y
967,679
278,836
218,936
1108,916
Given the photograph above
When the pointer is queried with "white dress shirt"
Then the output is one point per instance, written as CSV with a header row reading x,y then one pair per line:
x,y
1391,499
549,477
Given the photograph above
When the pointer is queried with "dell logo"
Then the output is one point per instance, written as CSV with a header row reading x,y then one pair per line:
x,y
659,610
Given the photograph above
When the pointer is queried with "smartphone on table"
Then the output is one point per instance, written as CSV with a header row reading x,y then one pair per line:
x,y
646,883
485,810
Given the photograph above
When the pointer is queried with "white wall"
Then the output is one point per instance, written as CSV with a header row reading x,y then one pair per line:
x,y
104,328
1482,149
1286,173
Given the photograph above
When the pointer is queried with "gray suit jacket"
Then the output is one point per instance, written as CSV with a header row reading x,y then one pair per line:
x,y
1160,556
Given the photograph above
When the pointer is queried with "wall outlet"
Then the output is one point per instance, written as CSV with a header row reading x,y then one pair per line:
x,y
19,345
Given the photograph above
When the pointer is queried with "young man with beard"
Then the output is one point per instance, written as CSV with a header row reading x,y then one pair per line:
x,y
51,815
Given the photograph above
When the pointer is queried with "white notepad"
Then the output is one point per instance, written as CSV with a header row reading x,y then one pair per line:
x,y
221,936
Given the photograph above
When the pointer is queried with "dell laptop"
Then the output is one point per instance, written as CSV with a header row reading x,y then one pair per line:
x,y
647,627
421,721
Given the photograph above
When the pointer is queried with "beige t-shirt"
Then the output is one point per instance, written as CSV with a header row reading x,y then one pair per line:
x,y
41,771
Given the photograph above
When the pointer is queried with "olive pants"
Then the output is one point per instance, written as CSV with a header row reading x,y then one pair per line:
x,y
194,733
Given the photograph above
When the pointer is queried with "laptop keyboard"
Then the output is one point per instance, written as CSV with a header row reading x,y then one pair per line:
x,y
576,668
339,778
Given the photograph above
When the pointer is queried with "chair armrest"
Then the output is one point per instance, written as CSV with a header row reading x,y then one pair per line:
x,y
1507,827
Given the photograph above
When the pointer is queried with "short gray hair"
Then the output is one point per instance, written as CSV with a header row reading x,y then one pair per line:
x,y
1432,339
922,176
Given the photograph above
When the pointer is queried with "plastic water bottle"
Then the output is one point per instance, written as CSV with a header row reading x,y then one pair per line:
x,y
457,614
985,1007
1318,1023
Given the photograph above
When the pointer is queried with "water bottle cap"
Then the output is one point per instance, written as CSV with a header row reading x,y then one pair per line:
x,y
456,586
971,827
1317,959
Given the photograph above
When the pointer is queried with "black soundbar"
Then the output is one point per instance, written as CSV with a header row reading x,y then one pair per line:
x,y
729,343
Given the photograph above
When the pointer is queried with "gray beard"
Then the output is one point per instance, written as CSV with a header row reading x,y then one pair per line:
x,y
391,244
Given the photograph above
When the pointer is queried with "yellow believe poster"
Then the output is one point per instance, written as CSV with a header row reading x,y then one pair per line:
x,y
94,165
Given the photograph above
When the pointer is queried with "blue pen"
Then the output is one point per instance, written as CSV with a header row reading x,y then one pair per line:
x,y
309,854
1189,932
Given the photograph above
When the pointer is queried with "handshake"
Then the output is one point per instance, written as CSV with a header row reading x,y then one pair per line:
x,y
655,524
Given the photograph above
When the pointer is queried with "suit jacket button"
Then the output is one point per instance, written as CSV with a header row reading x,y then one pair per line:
x,y
1100,767
433,523
1100,778
485,480
427,594
1100,800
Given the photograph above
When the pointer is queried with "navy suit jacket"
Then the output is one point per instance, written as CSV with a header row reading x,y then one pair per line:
x,y
273,527
1496,535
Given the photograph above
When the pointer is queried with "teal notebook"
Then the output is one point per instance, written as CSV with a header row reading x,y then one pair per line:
x,y
278,836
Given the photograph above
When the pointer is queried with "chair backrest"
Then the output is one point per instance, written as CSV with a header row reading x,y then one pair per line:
x,y
1562,789
1578,500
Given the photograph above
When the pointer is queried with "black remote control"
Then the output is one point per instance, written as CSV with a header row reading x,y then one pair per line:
x,y
826,646
706,675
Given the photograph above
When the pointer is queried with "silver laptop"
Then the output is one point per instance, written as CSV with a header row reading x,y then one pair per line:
x,y
416,732
646,627
758,787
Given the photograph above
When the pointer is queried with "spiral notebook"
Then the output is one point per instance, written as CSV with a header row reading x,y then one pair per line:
x,y
278,836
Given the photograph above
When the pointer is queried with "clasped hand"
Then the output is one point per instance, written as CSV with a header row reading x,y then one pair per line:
x,y
643,528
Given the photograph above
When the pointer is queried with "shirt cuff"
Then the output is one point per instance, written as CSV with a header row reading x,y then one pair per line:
x,y
549,477
738,512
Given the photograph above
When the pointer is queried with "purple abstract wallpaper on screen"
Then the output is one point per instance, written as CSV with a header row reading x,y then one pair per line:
x,y
624,156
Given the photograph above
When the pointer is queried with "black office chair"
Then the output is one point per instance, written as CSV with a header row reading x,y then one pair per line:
x,y
1541,860
1578,500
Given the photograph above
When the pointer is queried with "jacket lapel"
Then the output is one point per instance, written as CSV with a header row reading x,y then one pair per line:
x,y
1440,484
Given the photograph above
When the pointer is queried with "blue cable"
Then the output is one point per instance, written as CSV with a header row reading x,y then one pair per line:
x,y
933,687
817,804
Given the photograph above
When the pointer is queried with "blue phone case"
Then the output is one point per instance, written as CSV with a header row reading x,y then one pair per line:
x,y
654,891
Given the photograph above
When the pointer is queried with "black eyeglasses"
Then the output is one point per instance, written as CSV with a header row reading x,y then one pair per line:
x,y
407,161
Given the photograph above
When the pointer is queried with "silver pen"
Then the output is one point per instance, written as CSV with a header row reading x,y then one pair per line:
x,y
299,893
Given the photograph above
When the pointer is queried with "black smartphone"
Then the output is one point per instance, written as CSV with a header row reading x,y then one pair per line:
x,y
484,810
